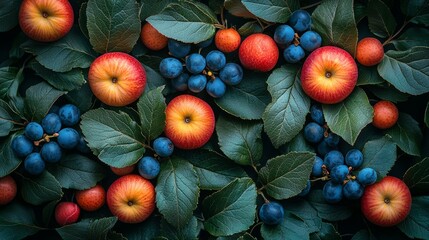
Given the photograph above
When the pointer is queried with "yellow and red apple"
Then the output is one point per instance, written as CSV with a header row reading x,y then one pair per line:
x,y
131,198
190,122
117,78
329,75
386,203
46,20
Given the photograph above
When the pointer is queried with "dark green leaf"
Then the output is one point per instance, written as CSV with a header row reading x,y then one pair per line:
x,y
6,121
412,37
416,225
114,137
48,212
177,191
148,229
249,28
304,211
17,222
236,8
285,116
186,21
239,140
407,134
349,117
87,229
277,11
334,21
151,107
83,20
9,161
389,92
406,70
99,228
297,144
380,155
426,117
285,176
422,18
188,232
247,236
292,227
327,232
417,177
363,235
7,78
368,76
150,7
9,15
113,25
328,211
360,11
155,79
77,172
413,8
381,20
83,92
40,189
39,99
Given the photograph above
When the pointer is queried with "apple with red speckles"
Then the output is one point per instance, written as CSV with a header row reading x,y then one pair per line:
x,y
258,52
386,114
66,213
8,189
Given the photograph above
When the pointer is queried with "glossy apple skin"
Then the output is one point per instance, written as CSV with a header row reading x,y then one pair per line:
x,y
369,51
46,20
131,198
91,199
329,75
8,189
386,203
258,52
66,213
190,122
117,78
386,114
123,171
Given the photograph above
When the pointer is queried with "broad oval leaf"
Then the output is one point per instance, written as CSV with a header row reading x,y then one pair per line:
x,y
9,15
381,20
389,92
40,189
426,117
87,229
250,28
17,221
177,191
291,226
155,79
368,76
412,37
148,229
190,231
327,232
6,121
328,211
285,116
277,11
7,77
406,134
38,100
151,107
417,177
150,7
113,25
285,176
232,209
349,117
186,21
416,225
413,8
237,8
9,161
303,210
380,155
406,70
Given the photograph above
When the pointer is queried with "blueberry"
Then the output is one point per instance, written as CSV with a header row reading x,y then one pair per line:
x,y
231,74
313,132
216,60
195,63
317,170
310,40
332,139
284,34
205,43
34,164
333,158
69,115
51,152
21,146
367,176
323,148
293,54
271,213
354,158
216,88
68,138
306,190
300,20
197,83
339,173
170,67
332,192
353,190
51,123
82,146
316,114
180,83
33,131
148,167
163,146
178,49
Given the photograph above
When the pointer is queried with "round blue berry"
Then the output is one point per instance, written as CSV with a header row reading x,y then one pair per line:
x,y
306,190
195,63
339,173
68,138
310,40
333,158
300,20
367,176
313,132
354,158
271,213
51,123
22,146
284,34
216,60
170,67
69,115
178,49
33,131
293,54
180,83
332,139
51,152
163,146
317,170
34,164
231,74
323,148
316,114
216,88
353,190
332,192
197,83
148,167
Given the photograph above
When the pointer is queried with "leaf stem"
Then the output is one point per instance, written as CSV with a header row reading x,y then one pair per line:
x,y
396,34
311,5
254,226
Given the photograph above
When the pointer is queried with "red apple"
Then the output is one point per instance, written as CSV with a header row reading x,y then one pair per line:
x,y
386,114
8,189
124,170
329,75
190,122
91,199
131,198
117,78
369,51
46,20
66,213
258,52
386,203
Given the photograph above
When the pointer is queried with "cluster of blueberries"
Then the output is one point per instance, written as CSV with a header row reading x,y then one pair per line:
x,y
296,37
148,166
44,142
211,72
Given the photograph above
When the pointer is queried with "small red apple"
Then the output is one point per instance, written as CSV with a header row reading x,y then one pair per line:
x,y
124,170
117,78
258,52
369,51
66,213
190,122
46,20
227,40
386,203
329,75
386,114
8,189
131,198
91,199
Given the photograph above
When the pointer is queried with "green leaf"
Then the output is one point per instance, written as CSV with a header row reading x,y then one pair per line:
x,y
381,20
77,172
155,79
285,116
292,227
177,191
297,144
237,8
304,211
186,21
422,18
6,121
285,176
7,78
9,161
232,209
417,177
334,21
114,137
151,107
48,212
190,231
17,222
349,117
368,76
148,229
247,236
413,8
239,140
40,189
83,92
9,15
249,27
113,25
407,70
87,229
328,211
380,155
412,37
407,134
251,95
388,92
150,7
71,51
327,232
38,100
360,11
363,234
416,225
426,117
277,11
